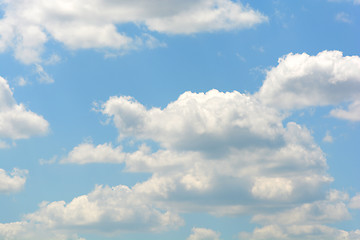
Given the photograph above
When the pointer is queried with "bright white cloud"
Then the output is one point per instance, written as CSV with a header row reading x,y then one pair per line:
x,y
203,234
28,25
306,221
300,80
105,210
214,139
352,114
209,121
298,232
12,182
16,122
88,153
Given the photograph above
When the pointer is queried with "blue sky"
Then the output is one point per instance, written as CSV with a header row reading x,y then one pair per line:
x,y
206,119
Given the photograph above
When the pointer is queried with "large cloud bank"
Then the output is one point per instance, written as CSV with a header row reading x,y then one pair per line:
x,y
221,153
28,25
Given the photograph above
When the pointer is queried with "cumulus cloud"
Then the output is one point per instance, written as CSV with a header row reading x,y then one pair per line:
x,y
214,139
12,182
355,2
300,81
203,234
306,221
28,25
88,153
104,210
16,122
297,232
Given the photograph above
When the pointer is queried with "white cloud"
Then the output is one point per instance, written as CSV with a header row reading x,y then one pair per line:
x,y
301,81
355,202
355,2
306,221
203,234
13,182
21,81
28,25
88,153
16,122
214,139
328,138
43,77
298,232
105,210
343,17
211,120
352,114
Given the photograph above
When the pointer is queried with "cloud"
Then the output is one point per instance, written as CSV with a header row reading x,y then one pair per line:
x,y
306,221
88,153
352,114
13,182
355,2
343,17
16,122
355,202
28,25
43,77
328,138
104,210
297,232
215,139
203,234
301,81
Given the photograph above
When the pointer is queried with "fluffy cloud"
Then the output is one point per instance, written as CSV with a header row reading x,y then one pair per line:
x,y
355,202
88,153
16,122
28,25
13,182
301,81
306,221
203,234
105,210
212,140
298,232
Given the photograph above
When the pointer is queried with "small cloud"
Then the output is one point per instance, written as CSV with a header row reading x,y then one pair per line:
x,y
54,59
328,138
4,144
259,49
43,77
241,57
21,81
343,17
48,162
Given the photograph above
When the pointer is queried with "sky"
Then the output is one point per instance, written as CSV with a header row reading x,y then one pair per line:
x,y
179,119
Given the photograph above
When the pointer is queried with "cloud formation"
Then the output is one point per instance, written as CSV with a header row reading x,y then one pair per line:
x,y
203,234
27,25
221,153
16,122
13,182
214,139
105,210
301,80
306,221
